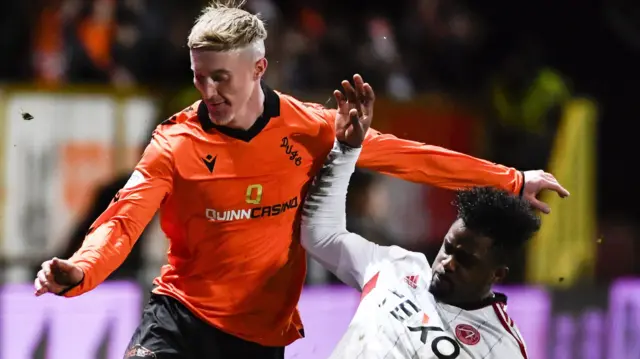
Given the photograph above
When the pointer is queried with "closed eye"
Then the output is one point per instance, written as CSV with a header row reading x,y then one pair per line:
x,y
461,256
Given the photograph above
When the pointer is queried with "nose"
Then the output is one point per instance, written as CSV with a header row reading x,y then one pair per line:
x,y
449,264
209,89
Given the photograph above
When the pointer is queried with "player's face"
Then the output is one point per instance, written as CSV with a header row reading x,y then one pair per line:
x,y
464,269
226,81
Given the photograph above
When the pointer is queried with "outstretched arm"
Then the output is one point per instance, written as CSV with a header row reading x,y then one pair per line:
x,y
437,166
114,233
324,234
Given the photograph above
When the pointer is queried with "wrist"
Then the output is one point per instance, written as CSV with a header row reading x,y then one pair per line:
x,y
522,185
71,287
348,145
345,147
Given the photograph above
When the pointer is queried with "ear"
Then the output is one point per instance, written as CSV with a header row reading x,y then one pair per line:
x,y
260,68
500,274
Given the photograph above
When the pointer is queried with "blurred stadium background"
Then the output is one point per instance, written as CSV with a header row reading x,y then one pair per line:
x,y
530,84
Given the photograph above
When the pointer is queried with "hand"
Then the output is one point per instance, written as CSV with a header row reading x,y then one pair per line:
x,y
355,111
57,275
535,182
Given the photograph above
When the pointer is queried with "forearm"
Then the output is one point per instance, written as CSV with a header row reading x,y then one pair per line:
x,y
433,165
323,232
102,252
323,215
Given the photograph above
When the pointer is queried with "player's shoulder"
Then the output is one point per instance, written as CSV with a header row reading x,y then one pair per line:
x,y
506,329
180,121
404,257
305,111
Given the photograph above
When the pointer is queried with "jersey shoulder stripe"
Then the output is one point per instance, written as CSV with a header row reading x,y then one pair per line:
x,y
509,326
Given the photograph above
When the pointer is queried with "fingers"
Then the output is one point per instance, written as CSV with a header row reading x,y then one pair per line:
x,y
365,96
349,91
539,205
44,278
356,125
364,91
353,124
341,100
353,116
359,83
360,96
40,288
368,92
360,92
548,176
554,185
352,96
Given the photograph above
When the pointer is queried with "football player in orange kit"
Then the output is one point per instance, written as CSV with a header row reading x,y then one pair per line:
x,y
228,175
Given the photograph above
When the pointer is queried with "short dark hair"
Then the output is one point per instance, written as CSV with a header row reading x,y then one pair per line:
x,y
507,219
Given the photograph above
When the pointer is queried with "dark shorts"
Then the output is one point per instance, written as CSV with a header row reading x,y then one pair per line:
x,y
170,331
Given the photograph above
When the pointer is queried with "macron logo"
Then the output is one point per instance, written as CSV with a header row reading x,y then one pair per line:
x,y
210,162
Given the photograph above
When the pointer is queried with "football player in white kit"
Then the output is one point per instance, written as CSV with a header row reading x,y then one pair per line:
x,y
408,308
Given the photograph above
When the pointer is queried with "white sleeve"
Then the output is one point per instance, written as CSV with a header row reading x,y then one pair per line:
x,y
324,234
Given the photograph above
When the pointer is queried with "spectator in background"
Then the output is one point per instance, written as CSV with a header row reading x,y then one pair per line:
x,y
382,57
73,41
118,42
48,53
89,39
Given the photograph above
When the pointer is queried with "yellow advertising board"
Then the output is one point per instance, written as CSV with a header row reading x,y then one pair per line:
x,y
563,252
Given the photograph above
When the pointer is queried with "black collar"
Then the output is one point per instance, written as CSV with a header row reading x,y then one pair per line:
x,y
494,299
271,109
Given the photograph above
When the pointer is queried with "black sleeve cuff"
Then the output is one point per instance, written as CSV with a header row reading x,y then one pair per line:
x,y
65,291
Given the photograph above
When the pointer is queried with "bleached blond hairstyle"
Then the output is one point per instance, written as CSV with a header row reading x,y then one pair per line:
x,y
224,26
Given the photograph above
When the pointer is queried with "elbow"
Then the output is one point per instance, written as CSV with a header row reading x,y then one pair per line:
x,y
319,226
313,235
309,235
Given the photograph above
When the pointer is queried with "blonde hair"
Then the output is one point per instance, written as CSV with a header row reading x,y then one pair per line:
x,y
224,26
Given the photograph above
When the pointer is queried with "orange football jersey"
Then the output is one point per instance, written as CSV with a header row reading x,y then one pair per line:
x,y
229,204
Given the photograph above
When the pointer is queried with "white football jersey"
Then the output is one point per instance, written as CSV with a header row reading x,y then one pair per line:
x,y
397,316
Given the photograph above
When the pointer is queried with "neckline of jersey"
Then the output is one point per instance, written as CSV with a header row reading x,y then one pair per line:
x,y
271,109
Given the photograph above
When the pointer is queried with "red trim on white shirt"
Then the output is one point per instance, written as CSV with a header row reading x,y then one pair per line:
x,y
507,323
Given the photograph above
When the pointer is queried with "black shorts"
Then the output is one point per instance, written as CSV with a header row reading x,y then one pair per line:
x,y
170,331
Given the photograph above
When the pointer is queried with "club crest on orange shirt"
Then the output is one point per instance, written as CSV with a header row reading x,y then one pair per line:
x,y
135,179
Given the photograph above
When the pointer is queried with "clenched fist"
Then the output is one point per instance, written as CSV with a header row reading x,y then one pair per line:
x,y
57,275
